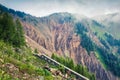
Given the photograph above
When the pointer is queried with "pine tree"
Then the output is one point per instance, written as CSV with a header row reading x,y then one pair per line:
x,y
7,28
78,68
19,36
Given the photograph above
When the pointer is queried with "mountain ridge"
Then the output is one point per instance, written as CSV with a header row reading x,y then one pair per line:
x,y
64,36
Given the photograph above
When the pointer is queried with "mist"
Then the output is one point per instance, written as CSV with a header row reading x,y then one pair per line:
x,y
89,8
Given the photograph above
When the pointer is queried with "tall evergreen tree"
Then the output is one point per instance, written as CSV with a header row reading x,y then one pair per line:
x,y
19,39
7,28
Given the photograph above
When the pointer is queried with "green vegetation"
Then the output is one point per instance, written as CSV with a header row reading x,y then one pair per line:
x,y
11,32
4,76
111,40
19,35
80,28
35,51
78,68
98,31
86,42
23,60
99,57
107,54
111,61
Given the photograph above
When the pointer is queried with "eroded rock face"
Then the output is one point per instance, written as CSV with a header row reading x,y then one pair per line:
x,y
60,38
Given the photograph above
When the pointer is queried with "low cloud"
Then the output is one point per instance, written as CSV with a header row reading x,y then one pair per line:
x,y
88,8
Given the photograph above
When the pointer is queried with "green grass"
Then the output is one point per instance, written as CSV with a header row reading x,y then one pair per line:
x,y
100,31
23,59
99,57
4,76
114,30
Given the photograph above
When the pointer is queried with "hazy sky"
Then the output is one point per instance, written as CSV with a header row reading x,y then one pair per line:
x,y
88,8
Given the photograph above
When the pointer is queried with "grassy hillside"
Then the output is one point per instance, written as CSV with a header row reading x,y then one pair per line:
x,y
16,58
19,63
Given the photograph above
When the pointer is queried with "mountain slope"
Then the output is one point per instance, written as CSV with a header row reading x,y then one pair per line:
x,y
59,37
111,23
64,34
17,57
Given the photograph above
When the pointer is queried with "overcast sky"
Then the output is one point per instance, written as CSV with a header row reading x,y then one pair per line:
x,y
40,8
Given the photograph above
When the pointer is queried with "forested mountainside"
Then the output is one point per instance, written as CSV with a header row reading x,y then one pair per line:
x,y
84,40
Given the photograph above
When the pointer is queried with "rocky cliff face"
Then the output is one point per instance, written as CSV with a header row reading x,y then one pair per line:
x,y
55,34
